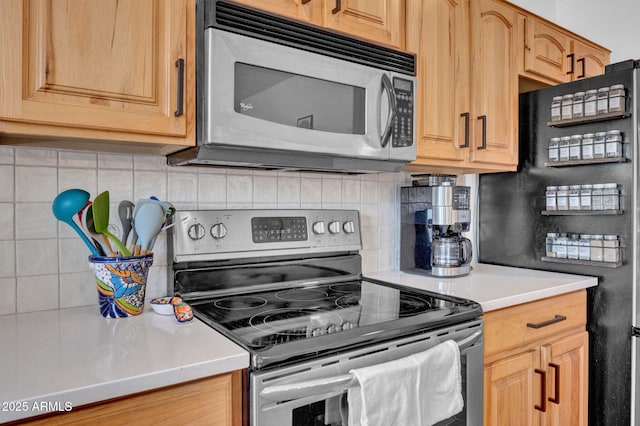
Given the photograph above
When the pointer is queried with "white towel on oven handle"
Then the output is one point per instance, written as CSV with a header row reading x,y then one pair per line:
x,y
417,390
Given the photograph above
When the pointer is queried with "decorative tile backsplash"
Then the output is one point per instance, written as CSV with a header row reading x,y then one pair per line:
x,y
43,263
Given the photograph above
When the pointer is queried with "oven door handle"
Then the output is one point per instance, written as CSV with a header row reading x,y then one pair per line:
x,y
308,388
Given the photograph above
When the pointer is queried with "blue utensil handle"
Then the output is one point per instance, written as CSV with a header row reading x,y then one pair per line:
x,y
75,227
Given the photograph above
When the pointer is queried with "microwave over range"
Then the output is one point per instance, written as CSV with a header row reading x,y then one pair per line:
x,y
278,93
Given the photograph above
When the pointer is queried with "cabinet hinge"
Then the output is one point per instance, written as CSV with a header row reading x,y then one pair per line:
x,y
635,331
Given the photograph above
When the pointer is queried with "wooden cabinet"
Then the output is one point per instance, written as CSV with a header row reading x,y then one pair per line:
x,y
109,70
552,55
380,21
211,401
536,363
467,100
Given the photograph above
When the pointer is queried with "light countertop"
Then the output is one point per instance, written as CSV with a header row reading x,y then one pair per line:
x,y
75,357
71,357
493,286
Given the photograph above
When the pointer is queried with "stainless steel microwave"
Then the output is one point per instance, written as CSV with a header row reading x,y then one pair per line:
x,y
278,93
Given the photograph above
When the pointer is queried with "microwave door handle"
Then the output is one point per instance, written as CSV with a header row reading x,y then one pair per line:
x,y
333,384
393,105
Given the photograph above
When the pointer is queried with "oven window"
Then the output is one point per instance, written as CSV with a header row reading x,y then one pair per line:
x,y
299,101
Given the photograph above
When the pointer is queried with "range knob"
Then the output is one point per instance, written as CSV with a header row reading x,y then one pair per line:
x,y
196,232
318,228
334,227
218,231
349,227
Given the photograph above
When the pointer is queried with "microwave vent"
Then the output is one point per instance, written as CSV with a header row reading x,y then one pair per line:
x,y
258,24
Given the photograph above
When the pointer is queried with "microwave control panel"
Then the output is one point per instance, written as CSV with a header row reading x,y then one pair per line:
x,y
403,124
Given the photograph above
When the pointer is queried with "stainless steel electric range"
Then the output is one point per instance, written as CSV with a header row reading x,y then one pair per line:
x,y
287,286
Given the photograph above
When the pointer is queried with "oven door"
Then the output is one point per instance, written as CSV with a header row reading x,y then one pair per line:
x,y
260,94
314,393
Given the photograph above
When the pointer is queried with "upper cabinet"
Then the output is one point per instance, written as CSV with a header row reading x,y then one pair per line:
x,y
380,21
552,55
108,71
467,85
471,55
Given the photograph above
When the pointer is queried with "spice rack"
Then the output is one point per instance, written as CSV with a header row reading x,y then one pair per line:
x,y
583,249
584,162
582,262
593,119
582,212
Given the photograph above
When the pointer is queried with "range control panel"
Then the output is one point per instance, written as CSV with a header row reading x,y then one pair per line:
x,y
229,234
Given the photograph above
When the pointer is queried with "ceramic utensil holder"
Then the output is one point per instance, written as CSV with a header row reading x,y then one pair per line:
x,y
121,284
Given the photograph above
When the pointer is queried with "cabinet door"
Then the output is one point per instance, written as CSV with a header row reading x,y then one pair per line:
x,y
377,20
297,9
511,389
438,31
495,84
566,362
589,60
546,51
108,65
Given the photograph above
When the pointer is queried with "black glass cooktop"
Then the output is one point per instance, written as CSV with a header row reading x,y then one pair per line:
x,y
328,312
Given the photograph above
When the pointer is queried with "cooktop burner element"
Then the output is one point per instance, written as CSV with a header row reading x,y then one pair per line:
x,y
240,302
285,301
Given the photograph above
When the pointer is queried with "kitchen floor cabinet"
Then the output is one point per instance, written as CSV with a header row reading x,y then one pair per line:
x,y
380,21
536,363
108,70
552,55
212,401
467,100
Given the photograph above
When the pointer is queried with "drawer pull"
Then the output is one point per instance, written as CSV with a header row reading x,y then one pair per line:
x,y
543,391
556,369
556,318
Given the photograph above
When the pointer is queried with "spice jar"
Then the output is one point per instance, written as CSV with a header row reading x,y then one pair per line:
x,y
578,105
611,196
587,146
590,101
599,141
556,105
584,247
611,248
563,150
562,197
549,241
575,147
560,246
554,149
574,197
596,248
573,247
597,201
602,106
566,111
616,98
613,144
585,196
550,196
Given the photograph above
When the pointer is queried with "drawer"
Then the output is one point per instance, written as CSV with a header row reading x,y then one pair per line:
x,y
530,323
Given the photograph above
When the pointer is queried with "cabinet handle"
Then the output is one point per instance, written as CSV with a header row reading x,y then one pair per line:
x,y
556,375
484,132
305,1
556,318
543,391
466,130
338,7
180,97
572,58
581,60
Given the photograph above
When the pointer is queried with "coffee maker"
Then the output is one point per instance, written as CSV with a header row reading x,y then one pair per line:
x,y
434,213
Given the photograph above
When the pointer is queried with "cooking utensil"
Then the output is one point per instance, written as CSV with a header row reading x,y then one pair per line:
x,y
125,212
101,240
101,220
147,223
68,203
